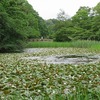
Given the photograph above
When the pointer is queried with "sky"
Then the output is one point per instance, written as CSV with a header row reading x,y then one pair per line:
x,y
49,9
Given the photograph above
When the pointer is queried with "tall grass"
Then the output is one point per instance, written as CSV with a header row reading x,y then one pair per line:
x,y
47,44
76,44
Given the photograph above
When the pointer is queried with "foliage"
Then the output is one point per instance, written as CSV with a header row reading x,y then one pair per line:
x,y
92,45
50,23
18,21
26,79
96,23
8,33
84,25
61,35
62,16
43,28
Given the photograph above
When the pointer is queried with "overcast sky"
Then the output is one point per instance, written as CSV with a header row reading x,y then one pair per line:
x,y
48,9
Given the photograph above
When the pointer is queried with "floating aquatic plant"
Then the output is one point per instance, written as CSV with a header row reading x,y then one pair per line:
x,y
22,79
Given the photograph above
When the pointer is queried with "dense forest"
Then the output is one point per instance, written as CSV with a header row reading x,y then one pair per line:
x,y
19,23
84,25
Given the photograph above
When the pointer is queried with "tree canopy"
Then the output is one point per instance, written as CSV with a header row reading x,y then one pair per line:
x,y
18,22
84,25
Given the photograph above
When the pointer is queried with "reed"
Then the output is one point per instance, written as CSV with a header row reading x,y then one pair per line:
x,y
75,44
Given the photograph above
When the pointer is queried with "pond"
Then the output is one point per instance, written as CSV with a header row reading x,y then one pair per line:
x,y
62,58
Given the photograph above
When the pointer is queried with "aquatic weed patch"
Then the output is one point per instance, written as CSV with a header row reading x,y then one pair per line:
x,y
26,80
30,80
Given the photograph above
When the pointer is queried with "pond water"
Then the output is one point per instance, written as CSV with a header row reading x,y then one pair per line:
x,y
68,59
33,50
62,59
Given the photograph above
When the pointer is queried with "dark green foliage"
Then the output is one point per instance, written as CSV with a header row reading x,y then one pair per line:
x,y
61,35
10,36
84,25
82,18
87,23
42,27
51,27
18,22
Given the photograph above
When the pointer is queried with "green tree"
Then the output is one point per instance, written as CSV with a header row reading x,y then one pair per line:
x,y
62,15
96,23
10,37
43,28
81,18
62,22
62,35
50,23
18,22
82,23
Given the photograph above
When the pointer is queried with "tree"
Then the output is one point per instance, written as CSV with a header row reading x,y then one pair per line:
x,y
18,22
81,18
62,15
96,23
97,9
62,22
10,37
61,35
42,27
82,23
50,23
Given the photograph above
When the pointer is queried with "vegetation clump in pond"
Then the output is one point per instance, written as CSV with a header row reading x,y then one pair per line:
x,y
27,79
